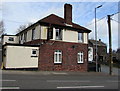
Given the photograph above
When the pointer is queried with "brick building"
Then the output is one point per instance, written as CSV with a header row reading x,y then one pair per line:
x,y
63,45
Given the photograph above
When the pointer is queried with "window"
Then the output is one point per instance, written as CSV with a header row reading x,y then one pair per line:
x,y
33,34
21,36
50,33
34,53
11,39
80,37
80,57
57,56
25,36
58,34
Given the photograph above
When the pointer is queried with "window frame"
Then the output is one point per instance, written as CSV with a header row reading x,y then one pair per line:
x,y
59,36
80,37
58,57
33,34
9,39
36,54
80,57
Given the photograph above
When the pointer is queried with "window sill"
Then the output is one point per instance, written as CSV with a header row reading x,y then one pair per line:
x,y
57,63
34,56
80,63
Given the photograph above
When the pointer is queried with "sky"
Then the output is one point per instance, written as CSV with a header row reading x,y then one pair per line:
x,y
19,13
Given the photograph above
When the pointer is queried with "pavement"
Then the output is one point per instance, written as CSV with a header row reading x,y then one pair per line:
x,y
105,69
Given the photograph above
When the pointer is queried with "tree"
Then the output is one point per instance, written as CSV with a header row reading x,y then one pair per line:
x,y
2,29
22,27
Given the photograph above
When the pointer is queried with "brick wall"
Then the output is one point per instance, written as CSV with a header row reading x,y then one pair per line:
x,y
69,56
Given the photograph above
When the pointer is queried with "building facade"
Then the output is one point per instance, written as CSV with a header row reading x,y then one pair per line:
x,y
101,51
63,45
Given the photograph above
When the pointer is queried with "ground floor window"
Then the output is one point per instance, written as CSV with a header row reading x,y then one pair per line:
x,y
80,57
58,56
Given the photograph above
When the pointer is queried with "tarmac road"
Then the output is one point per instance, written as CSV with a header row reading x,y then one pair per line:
x,y
57,80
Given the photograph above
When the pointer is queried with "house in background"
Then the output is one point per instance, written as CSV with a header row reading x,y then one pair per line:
x,y
56,43
101,51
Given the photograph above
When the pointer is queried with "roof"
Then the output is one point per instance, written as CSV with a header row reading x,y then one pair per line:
x,y
56,20
99,43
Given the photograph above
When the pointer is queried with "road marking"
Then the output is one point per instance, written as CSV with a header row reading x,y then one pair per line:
x,y
7,80
67,81
81,87
112,81
56,73
9,87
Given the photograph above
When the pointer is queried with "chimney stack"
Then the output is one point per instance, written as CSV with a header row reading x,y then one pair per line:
x,y
68,13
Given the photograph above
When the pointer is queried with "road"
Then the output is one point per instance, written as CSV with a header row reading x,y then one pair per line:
x,y
57,80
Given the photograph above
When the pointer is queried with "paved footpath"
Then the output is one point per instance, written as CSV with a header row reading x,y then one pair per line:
x,y
105,69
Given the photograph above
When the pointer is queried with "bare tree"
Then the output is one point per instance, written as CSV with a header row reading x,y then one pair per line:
x,y
22,27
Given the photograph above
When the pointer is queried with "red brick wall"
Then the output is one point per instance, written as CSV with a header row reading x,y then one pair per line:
x,y
69,56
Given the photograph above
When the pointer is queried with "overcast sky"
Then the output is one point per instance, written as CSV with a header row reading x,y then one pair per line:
x,y
15,14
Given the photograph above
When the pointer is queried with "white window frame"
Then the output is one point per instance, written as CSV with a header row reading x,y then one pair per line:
x,y
59,31
80,37
34,55
80,57
58,56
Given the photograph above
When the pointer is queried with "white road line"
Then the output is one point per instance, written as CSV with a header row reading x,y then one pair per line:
x,y
80,87
9,87
112,81
68,81
56,73
7,80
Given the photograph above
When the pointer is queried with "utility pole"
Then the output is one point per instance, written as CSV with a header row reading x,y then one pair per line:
x,y
110,46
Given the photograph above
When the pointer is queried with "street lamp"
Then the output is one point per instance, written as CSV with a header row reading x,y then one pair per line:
x,y
96,37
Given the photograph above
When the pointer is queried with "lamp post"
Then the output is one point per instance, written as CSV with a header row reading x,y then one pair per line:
x,y
96,38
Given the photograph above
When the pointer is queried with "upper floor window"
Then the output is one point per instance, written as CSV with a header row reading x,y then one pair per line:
x,y
33,34
11,39
58,56
58,34
50,33
80,37
25,36
22,37
80,57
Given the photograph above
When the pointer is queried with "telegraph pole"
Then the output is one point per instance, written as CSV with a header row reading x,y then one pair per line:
x,y
110,46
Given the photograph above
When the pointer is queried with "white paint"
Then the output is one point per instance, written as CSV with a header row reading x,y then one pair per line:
x,y
6,39
9,87
7,80
43,32
68,81
20,57
59,73
112,81
70,36
85,38
81,87
90,54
